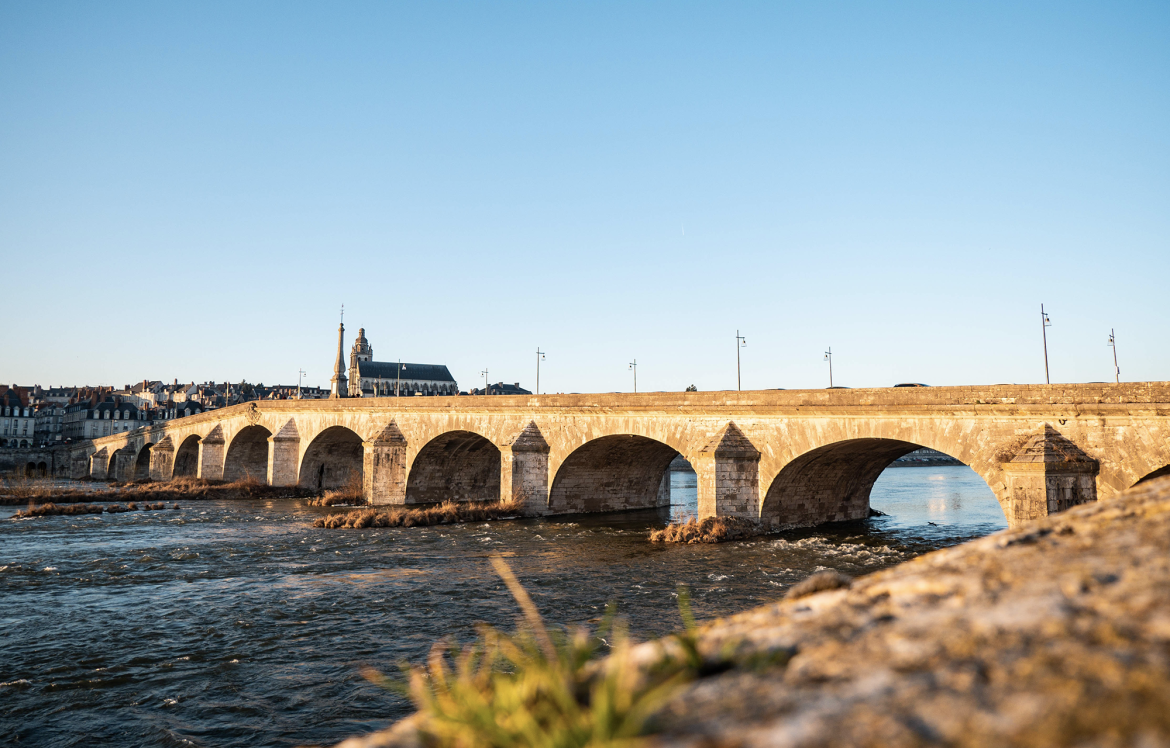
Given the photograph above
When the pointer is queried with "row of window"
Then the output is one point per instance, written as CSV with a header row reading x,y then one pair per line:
x,y
15,411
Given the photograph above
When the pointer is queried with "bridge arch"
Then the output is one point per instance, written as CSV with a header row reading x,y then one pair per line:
x,y
460,465
612,473
832,483
1156,474
332,460
187,457
141,469
247,455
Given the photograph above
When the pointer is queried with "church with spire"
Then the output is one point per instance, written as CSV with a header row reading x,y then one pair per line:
x,y
372,379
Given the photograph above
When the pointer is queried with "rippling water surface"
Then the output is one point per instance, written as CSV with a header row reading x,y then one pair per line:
x,y
235,622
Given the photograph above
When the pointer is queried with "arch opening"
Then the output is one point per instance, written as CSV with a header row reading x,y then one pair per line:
x,y
834,483
42,469
460,466
142,463
247,455
30,470
614,473
187,458
1163,471
333,460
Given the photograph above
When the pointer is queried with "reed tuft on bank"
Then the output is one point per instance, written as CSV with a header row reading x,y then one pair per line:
x,y
402,517
534,687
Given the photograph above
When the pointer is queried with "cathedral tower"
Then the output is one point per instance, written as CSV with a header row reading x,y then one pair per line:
x,y
361,351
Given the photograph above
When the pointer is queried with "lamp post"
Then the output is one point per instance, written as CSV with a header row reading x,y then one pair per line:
x,y
740,342
829,359
539,359
485,382
300,375
1113,345
1045,323
398,383
634,368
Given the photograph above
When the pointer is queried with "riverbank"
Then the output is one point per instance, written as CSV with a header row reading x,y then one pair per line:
x,y
184,488
1055,633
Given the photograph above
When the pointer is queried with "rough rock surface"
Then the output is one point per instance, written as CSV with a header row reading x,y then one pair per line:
x,y
1056,633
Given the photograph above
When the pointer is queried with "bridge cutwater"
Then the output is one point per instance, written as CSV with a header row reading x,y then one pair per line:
x,y
787,458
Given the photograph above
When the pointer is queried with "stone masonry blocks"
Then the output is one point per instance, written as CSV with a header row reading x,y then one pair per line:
x,y
384,467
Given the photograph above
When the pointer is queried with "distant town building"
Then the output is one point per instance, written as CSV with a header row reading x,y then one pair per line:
x,y
50,420
502,388
370,379
89,419
17,422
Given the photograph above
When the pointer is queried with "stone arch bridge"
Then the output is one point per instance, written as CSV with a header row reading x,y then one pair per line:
x,y
787,458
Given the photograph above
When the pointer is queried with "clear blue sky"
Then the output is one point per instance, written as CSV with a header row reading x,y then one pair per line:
x,y
192,190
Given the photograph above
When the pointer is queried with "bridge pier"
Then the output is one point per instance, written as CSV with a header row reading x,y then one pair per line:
x,y
78,465
384,467
728,470
524,471
211,455
162,460
99,464
284,449
1048,475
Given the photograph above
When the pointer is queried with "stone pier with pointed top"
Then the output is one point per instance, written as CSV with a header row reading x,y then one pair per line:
x,y
783,458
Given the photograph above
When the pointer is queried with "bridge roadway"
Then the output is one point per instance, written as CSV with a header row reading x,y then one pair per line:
x,y
788,458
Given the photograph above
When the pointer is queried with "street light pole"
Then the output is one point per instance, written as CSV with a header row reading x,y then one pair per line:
x,y
539,358
398,383
1045,323
300,375
1113,345
740,342
829,359
485,382
634,367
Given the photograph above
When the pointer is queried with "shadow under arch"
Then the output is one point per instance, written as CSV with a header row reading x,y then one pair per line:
x,y
613,473
461,466
142,463
187,457
1163,471
333,458
247,455
831,483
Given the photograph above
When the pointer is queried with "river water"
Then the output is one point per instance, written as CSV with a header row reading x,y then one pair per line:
x,y
237,623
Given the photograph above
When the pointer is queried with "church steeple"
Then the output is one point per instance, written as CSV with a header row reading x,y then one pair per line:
x,y
338,387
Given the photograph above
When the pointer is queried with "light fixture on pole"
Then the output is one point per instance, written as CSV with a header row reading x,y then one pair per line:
x,y
1113,345
300,375
398,383
634,368
485,382
539,359
1046,323
740,342
829,359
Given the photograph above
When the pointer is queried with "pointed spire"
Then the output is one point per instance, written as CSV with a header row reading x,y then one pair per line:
x,y
338,386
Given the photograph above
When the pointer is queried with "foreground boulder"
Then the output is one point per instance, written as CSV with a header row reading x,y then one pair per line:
x,y
1056,633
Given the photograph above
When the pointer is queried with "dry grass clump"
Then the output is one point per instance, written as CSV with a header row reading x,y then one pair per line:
x,y
351,494
182,487
38,511
443,514
45,510
535,687
706,531
15,490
